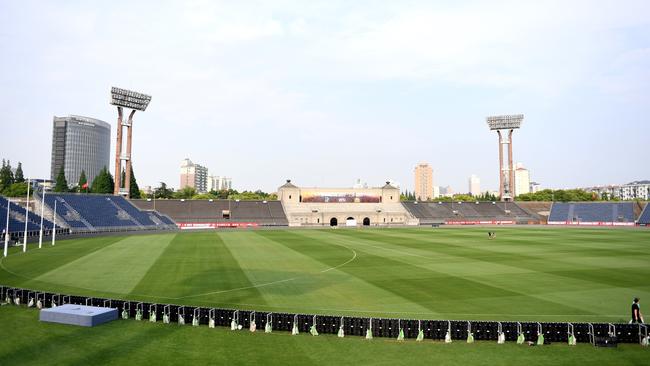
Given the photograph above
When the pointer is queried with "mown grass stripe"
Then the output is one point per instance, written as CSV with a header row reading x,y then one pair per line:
x,y
35,261
115,268
193,264
461,291
347,294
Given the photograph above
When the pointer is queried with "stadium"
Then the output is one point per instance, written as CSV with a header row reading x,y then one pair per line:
x,y
360,263
291,100
406,271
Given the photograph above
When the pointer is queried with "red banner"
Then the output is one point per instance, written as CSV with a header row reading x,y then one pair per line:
x,y
480,222
591,223
215,225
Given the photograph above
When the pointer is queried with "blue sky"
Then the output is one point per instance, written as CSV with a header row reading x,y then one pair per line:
x,y
327,92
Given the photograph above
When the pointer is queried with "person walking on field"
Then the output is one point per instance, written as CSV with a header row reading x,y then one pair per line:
x,y
636,312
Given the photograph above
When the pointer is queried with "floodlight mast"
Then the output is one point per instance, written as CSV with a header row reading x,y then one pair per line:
x,y
505,123
123,98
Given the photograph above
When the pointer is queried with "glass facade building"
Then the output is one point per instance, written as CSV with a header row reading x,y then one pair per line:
x,y
79,143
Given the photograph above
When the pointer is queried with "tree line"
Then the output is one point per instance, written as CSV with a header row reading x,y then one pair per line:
x,y
14,184
164,192
561,195
546,195
487,196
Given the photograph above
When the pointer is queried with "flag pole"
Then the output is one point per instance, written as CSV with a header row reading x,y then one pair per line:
x,y
7,230
26,218
40,235
54,221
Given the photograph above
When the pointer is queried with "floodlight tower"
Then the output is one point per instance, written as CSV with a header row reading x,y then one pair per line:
x,y
503,124
136,102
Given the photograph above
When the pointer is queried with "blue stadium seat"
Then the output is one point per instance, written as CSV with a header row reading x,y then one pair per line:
x,y
17,218
592,212
91,212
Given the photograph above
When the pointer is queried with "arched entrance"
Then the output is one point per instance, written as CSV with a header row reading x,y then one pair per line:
x,y
366,221
350,221
334,221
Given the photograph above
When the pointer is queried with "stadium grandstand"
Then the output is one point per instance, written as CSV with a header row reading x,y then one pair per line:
x,y
17,221
470,213
592,213
217,213
98,213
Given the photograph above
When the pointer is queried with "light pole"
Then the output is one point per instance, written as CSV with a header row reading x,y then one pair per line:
x,y
7,229
54,222
40,234
505,126
123,98
26,218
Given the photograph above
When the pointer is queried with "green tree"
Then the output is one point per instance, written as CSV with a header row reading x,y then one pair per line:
x,y
487,196
224,193
6,176
185,193
163,191
83,182
18,176
559,195
252,196
204,196
463,198
103,182
61,184
134,190
16,190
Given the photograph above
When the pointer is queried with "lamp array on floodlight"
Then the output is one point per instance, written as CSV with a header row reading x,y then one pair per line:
x,y
505,122
129,99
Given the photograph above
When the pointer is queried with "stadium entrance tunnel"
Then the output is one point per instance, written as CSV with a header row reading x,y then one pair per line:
x,y
366,221
334,221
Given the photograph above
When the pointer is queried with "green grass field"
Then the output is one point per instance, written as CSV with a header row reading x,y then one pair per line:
x,y
26,341
529,273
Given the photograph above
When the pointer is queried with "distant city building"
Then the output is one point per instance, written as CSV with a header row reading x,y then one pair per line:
x,y
217,183
147,190
359,185
446,191
194,176
522,180
436,192
423,182
474,185
79,144
638,190
535,187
